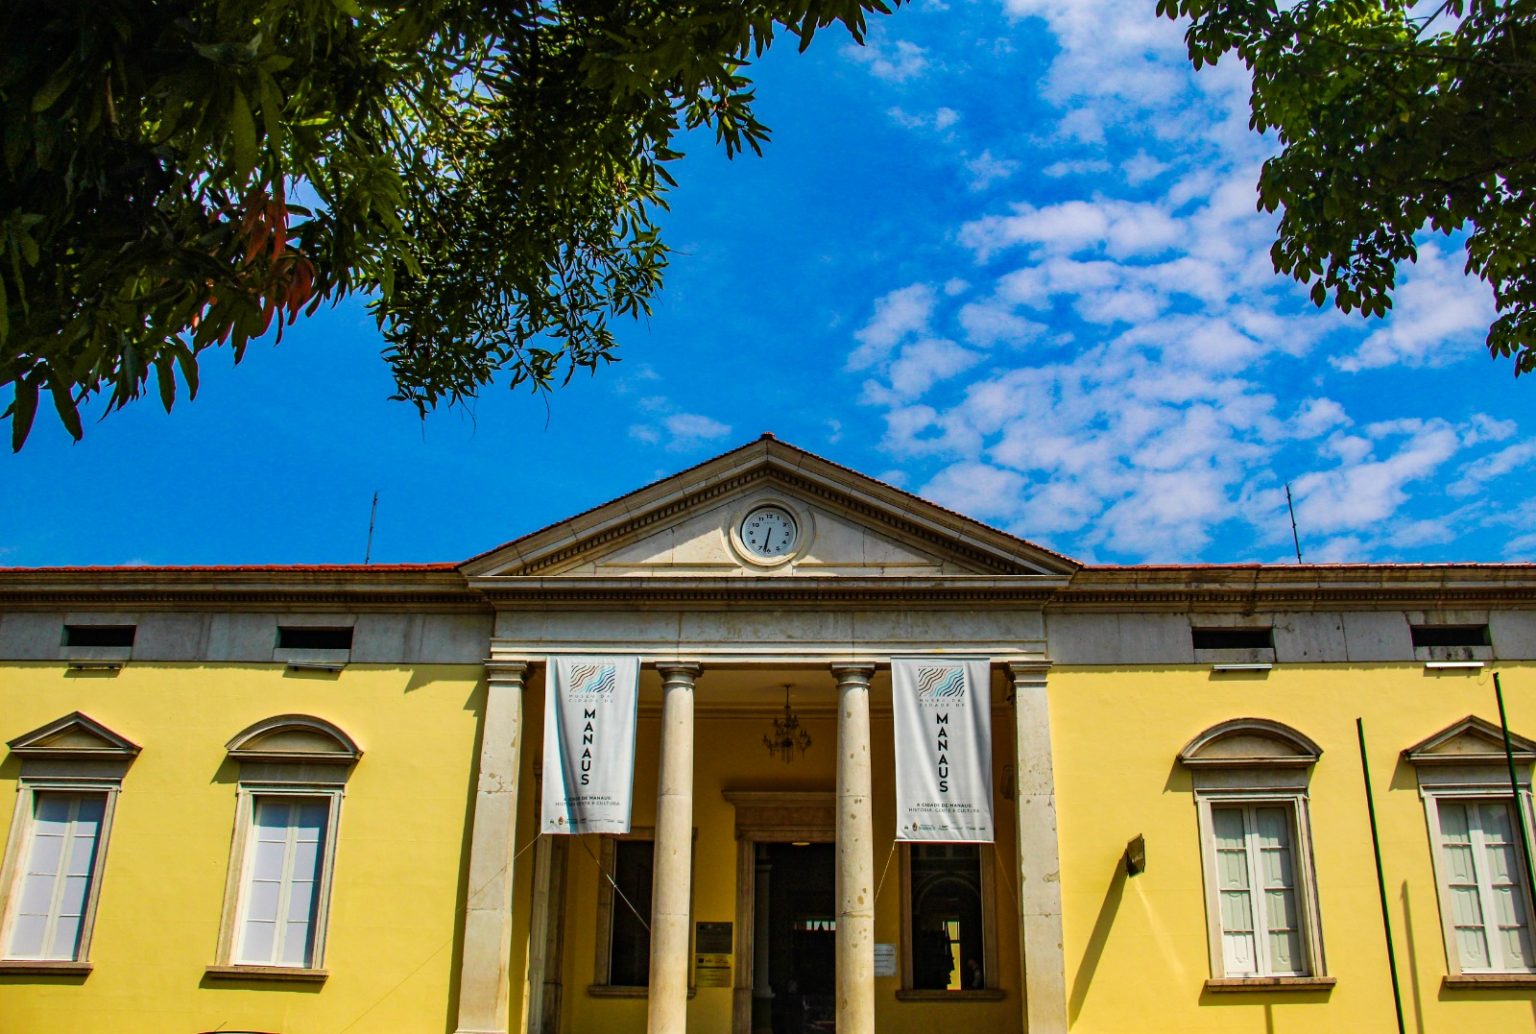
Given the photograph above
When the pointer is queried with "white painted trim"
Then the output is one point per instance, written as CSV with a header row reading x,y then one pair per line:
x,y
1303,867
1492,790
236,885
19,842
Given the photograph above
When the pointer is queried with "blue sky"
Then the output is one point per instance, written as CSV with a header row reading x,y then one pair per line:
x,y
1006,257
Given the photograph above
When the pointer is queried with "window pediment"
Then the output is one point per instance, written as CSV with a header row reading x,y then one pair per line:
x,y
1250,743
294,737
75,736
1471,741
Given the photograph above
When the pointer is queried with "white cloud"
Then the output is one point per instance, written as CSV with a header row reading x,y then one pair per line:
x,y
891,60
898,314
1076,167
940,120
1316,417
1142,167
1119,228
1364,491
986,169
923,363
689,429
1439,315
989,322
1475,475
976,489
678,431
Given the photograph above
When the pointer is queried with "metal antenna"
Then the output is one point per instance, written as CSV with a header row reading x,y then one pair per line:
x,y
372,513
1291,507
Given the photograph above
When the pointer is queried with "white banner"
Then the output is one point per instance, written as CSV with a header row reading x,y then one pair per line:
x,y
589,743
943,708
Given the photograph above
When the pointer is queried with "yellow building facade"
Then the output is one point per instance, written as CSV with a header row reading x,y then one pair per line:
x,y
299,800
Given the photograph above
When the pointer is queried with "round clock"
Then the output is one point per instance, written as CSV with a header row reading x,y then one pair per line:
x,y
769,532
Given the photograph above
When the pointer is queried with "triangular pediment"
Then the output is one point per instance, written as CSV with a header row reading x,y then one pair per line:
x,y
690,525
73,736
1472,740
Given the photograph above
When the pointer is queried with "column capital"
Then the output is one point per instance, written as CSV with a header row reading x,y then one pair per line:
x,y
851,673
505,670
1030,669
670,670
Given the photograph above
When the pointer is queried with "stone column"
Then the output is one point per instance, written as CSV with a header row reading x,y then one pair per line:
x,y
485,978
855,854
1040,951
673,853
546,935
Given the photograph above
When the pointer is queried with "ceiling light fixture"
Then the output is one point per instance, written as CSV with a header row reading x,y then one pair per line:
x,y
788,734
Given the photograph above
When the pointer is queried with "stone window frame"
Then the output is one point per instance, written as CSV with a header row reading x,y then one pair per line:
x,y
297,756
1258,761
985,860
1464,763
75,755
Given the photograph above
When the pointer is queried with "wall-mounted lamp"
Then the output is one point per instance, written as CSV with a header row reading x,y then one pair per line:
x,y
1136,856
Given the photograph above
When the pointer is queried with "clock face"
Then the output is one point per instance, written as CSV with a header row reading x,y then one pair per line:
x,y
769,532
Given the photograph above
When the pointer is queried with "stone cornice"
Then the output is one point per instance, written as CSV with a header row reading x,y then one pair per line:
x,y
428,588
577,593
1240,588
1253,587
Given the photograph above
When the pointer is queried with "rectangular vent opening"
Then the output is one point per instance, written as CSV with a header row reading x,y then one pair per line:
x,y
99,635
1233,638
291,637
1450,635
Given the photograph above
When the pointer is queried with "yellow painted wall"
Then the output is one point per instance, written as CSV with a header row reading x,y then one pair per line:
x,y
1136,953
391,950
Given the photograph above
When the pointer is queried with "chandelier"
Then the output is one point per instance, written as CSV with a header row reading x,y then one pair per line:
x,y
788,734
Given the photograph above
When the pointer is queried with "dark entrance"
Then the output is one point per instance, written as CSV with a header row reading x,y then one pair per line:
x,y
794,905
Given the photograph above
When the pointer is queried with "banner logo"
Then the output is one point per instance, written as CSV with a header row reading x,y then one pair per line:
x,y
940,683
593,680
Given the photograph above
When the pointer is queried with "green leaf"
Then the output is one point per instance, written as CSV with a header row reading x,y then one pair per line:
x,y
271,112
22,412
243,128
65,404
165,377
54,88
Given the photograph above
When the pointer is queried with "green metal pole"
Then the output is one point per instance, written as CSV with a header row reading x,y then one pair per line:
x,y
1514,790
1381,880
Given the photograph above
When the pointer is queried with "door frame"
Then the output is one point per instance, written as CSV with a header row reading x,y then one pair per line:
x,y
768,817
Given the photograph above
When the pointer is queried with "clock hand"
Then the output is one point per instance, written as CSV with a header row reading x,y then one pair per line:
x,y
767,537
